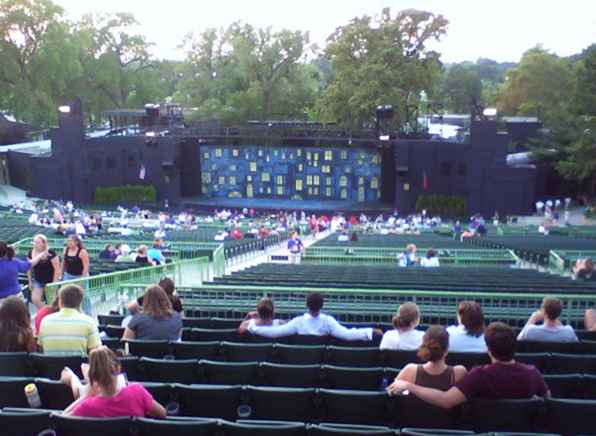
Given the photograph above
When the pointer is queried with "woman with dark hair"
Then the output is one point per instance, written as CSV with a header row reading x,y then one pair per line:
x,y
106,397
10,269
435,373
76,259
157,320
468,335
404,336
16,333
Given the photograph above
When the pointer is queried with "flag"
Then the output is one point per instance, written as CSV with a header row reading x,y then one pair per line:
x,y
424,181
142,172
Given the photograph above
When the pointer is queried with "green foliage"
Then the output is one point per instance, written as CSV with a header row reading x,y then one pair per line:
x,y
541,85
128,194
381,61
244,73
460,86
443,205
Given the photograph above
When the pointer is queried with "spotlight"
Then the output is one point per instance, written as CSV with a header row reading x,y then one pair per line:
x,y
65,109
490,112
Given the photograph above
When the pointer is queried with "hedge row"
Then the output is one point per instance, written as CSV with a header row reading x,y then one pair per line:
x,y
443,205
125,194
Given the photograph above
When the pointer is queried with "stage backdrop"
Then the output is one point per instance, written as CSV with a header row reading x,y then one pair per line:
x,y
297,173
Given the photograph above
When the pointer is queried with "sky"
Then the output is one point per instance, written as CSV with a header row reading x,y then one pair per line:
x,y
498,29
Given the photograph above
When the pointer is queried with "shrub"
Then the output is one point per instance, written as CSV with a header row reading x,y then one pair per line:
x,y
125,194
443,205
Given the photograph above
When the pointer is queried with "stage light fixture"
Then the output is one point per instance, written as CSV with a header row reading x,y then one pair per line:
x,y
490,112
65,109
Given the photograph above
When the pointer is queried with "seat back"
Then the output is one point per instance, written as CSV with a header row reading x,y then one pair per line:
x,y
263,428
570,417
285,404
354,356
75,426
355,407
196,350
410,411
299,354
212,401
15,365
344,377
241,352
176,427
229,373
503,415
49,366
148,348
330,429
297,376
24,422
170,371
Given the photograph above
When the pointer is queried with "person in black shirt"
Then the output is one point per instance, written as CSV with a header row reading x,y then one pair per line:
x,y
44,272
142,256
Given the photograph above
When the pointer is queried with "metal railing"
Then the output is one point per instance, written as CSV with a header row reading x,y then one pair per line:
x,y
561,261
103,292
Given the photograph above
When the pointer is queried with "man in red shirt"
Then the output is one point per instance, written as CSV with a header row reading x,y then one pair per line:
x,y
504,378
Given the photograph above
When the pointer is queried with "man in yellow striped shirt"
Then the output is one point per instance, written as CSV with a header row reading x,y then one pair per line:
x,y
69,331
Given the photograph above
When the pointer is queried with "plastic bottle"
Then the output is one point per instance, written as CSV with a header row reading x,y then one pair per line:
x,y
32,395
384,383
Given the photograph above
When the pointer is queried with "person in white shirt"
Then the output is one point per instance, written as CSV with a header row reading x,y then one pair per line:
x,y
313,323
263,316
551,329
468,335
404,336
431,260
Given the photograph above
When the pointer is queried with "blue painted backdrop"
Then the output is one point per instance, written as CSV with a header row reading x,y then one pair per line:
x,y
298,173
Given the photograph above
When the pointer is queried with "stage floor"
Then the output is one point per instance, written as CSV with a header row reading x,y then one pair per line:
x,y
273,204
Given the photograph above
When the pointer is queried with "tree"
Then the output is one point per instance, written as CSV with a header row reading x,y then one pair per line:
x,y
30,78
541,85
381,61
460,87
585,84
241,73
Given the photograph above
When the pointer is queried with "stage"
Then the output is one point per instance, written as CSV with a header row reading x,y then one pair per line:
x,y
261,204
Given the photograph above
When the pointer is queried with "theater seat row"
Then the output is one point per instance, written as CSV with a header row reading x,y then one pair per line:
x,y
21,422
309,405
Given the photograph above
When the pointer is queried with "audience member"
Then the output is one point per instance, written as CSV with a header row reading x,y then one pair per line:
x,y
106,398
313,323
264,316
584,269
295,248
468,336
10,267
551,329
124,254
45,271
431,260
108,253
142,257
155,255
504,378
157,321
46,310
75,263
16,333
408,257
590,320
168,285
435,373
404,336
69,331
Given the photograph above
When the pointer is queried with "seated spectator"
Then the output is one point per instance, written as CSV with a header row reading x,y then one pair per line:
x,y
106,398
551,329
155,255
468,335
584,269
354,237
590,319
435,373
45,311
343,237
68,331
168,285
108,253
124,255
504,378
313,323
16,333
142,257
404,336
264,316
408,257
157,320
431,260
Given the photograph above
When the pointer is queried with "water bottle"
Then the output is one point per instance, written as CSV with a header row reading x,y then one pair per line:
x,y
32,395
